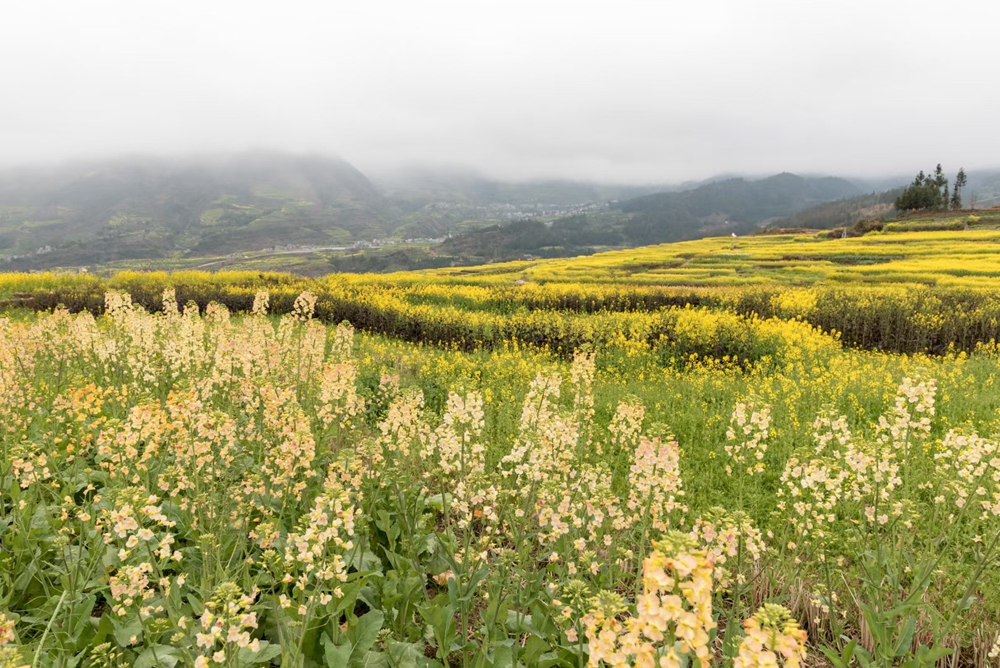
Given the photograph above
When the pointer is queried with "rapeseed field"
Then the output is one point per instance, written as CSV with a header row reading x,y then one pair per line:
x,y
557,463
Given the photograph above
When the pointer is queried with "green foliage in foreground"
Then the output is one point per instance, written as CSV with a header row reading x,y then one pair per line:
x,y
376,503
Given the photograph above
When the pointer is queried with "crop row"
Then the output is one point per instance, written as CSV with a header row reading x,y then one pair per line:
x,y
563,317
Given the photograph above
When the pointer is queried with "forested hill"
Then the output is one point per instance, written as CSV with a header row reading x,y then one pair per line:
x,y
842,212
731,206
738,205
158,212
148,208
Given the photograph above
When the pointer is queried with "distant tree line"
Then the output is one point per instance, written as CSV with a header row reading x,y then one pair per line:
x,y
931,192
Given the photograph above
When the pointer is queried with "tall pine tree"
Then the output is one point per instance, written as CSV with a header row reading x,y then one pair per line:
x,y
942,184
956,196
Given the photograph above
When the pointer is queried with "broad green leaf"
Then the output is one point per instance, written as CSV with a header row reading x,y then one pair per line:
x,y
373,660
548,659
905,642
158,656
104,627
404,654
534,647
336,656
841,659
124,632
364,634
266,652
503,657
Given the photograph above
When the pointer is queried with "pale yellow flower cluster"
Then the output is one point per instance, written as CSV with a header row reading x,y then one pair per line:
x,y
455,443
673,617
216,313
814,478
134,344
815,486
338,400
773,639
137,526
626,425
829,427
183,349
746,438
723,534
909,421
170,308
342,342
261,302
841,477
7,634
547,441
314,554
655,482
288,463
585,511
402,430
29,465
581,377
969,465
304,307
138,520
474,503
451,456
130,585
12,657
226,625
551,467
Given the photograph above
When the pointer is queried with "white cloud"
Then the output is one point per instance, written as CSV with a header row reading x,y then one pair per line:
x,y
627,90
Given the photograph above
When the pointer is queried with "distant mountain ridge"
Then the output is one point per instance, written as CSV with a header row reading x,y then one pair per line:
x,y
142,207
95,212
168,209
457,184
842,212
722,207
736,205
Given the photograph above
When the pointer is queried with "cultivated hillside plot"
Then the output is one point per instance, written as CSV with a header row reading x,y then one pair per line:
x,y
498,467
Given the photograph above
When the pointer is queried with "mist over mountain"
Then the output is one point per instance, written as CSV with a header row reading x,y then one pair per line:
x,y
87,213
433,184
94,212
154,210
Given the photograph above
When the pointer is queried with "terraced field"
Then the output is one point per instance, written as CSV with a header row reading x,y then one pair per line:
x,y
763,451
954,258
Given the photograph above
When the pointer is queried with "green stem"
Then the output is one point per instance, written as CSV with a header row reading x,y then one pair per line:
x,y
970,587
48,627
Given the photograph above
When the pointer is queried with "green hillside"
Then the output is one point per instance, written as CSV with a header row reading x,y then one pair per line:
x,y
152,208
730,206
188,212
314,215
734,205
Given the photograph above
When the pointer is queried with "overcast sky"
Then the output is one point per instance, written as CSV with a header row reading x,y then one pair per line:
x,y
618,90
